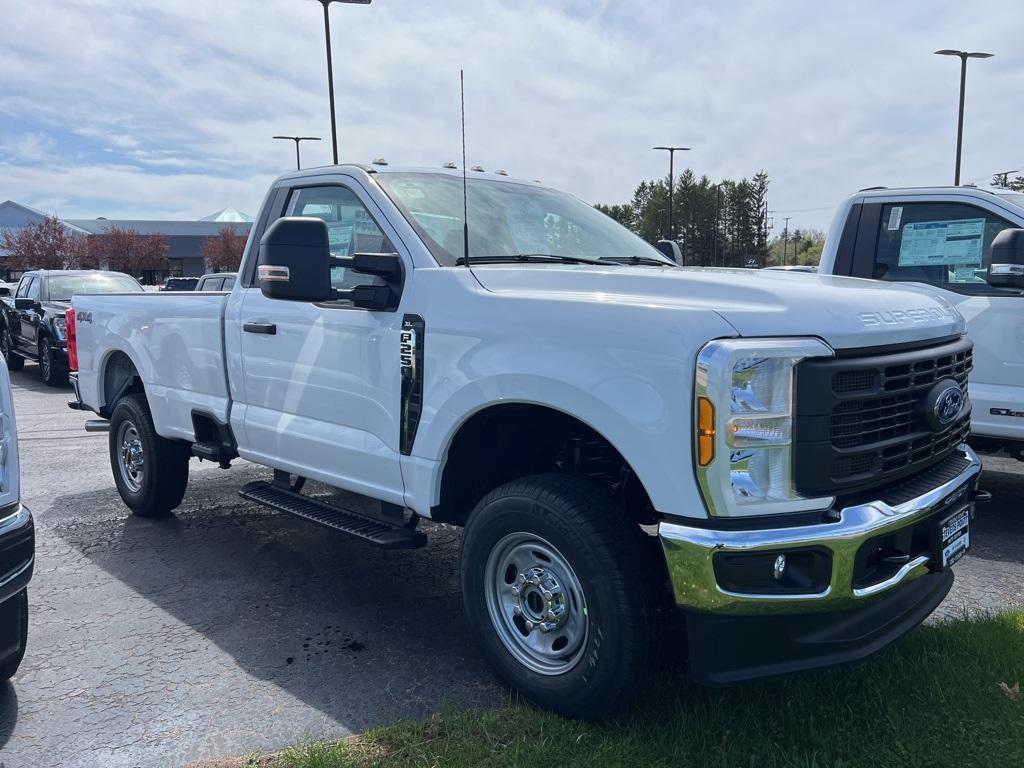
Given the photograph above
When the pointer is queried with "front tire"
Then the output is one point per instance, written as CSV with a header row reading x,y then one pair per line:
x,y
8,670
151,472
54,374
561,589
15,362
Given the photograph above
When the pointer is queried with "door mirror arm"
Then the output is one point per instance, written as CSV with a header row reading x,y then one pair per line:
x,y
382,298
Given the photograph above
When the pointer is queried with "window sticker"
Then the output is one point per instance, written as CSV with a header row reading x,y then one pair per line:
x,y
927,243
895,215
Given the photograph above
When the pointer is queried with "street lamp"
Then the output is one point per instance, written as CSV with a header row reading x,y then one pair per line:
x,y
297,139
330,69
964,56
718,208
671,170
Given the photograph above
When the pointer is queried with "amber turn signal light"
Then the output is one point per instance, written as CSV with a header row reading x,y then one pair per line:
x,y
705,431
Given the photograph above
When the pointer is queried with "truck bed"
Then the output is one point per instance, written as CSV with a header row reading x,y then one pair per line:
x,y
174,340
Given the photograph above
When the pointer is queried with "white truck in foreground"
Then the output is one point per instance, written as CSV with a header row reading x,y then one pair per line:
x,y
968,243
619,436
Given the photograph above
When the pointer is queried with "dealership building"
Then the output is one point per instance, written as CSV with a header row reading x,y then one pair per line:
x,y
185,239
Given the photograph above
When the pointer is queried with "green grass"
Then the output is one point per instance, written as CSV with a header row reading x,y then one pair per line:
x,y
934,699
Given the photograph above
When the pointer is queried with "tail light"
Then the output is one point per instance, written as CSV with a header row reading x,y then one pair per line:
x,y
69,323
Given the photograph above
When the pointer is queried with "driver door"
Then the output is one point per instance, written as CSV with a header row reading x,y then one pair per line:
x,y
322,380
29,318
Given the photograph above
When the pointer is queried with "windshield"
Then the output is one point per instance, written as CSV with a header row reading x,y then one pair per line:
x,y
507,219
1016,198
63,287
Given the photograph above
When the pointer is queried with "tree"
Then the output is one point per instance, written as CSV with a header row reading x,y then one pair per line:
x,y
223,252
125,250
722,223
47,244
1003,180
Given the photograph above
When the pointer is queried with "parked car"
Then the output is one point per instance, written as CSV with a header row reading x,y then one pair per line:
x,y
180,284
965,243
32,321
17,542
217,281
617,434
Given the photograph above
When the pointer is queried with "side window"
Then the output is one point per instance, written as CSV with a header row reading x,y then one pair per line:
x,y
350,227
229,283
24,285
33,289
943,244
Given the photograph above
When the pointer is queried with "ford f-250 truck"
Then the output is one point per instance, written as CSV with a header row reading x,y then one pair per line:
x,y
967,243
618,435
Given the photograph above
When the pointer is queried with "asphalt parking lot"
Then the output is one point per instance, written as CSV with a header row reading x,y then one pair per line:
x,y
230,628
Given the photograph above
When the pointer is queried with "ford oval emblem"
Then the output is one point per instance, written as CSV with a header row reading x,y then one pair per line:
x,y
949,402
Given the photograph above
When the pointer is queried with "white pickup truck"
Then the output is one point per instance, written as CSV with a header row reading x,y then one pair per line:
x,y
968,243
619,436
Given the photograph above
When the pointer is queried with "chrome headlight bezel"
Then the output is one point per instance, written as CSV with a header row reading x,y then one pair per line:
x,y
750,472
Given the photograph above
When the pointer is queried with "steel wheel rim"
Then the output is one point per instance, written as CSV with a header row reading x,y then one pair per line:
x,y
536,604
130,458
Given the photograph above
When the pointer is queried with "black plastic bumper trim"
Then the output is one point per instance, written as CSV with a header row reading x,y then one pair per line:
x,y
733,649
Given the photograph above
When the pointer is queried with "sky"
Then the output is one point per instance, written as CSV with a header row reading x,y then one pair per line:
x,y
165,109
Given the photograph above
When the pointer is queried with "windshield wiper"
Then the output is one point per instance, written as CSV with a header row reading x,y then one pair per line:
x,y
639,260
533,258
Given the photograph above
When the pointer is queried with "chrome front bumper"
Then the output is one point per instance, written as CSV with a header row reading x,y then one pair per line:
x,y
690,550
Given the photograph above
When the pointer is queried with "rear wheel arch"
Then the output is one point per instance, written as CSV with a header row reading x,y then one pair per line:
x,y
120,377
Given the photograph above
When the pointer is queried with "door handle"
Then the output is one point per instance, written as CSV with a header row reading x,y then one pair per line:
x,y
270,329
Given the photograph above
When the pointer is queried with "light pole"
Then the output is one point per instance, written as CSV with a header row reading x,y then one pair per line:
x,y
1006,177
785,239
964,56
718,208
671,181
330,69
297,139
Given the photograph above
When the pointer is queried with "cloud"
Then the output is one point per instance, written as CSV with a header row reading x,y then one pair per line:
x,y
162,108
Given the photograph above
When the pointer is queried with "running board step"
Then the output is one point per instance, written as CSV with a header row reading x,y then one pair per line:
x,y
369,529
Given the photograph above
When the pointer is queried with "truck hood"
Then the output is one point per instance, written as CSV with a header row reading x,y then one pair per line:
x,y
845,312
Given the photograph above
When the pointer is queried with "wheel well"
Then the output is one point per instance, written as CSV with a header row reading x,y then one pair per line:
x,y
513,440
120,377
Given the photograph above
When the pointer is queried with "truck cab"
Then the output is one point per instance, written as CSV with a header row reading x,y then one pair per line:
x,y
943,237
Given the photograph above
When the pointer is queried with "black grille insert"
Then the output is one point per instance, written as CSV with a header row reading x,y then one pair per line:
x,y
861,422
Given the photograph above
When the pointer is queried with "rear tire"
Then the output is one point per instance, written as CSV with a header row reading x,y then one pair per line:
x,y
561,590
15,362
151,472
54,374
8,670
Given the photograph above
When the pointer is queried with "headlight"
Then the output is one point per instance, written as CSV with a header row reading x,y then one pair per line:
x,y
60,328
744,425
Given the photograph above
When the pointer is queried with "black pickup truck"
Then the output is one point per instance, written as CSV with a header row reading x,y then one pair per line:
x,y
32,320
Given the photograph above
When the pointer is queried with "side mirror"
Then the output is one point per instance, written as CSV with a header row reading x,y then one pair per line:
x,y
295,260
23,302
1006,269
670,248
295,265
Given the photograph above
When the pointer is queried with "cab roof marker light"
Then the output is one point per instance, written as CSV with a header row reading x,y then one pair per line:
x,y
450,166
478,168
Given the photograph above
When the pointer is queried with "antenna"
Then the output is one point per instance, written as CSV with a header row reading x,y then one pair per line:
x,y
465,202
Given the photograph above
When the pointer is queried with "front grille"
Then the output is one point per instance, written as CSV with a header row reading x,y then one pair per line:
x,y
861,421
